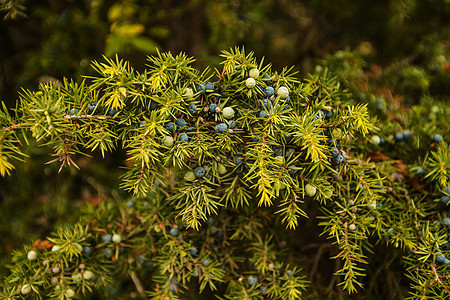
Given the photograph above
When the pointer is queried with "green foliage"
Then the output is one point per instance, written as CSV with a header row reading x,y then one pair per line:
x,y
237,214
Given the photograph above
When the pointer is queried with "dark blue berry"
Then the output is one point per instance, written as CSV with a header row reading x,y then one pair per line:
x,y
142,259
329,114
195,273
183,137
212,107
231,124
288,99
193,251
292,169
238,160
150,104
407,134
339,159
112,111
180,123
440,258
107,238
192,109
92,106
209,87
334,152
438,138
269,91
87,250
221,127
173,231
445,199
73,111
206,262
266,78
262,113
255,138
199,172
252,280
399,136
170,126
266,103
200,87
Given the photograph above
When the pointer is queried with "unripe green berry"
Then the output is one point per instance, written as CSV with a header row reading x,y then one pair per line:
x,y
376,139
32,255
221,169
228,112
254,73
116,238
283,92
189,176
70,293
188,93
26,289
250,83
279,159
76,277
88,275
310,190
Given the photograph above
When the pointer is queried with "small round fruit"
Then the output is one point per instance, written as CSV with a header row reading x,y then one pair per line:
x,y
87,250
183,137
189,176
262,114
250,83
108,252
107,238
199,172
31,255
352,227
173,231
334,152
193,251
209,87
192,108
88,275
269,91
228,112
446,221
376,139
254,73
238,160
339,159
218,110
55,248
189,93
372,205
180,123
113,111
26,289
116,238
56,270
310,190
170,126
73,111
221,127
252,280
399,136
266,78
70,293
92,106
168,141
438,138
205,262
283,92
212,107
221,169
266,103
77,277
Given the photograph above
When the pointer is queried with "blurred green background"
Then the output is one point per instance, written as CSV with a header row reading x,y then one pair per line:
x,y
401,44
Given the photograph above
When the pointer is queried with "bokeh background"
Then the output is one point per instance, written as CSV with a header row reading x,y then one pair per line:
x,y
403,44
